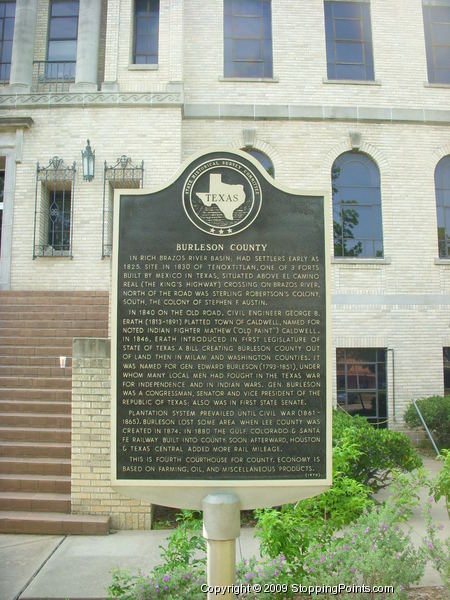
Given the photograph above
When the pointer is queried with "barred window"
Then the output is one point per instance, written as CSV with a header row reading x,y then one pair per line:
x,y
442,187
361,382
7,16
247,38
357,222
123,174
146,32
53,214
437,41
349,41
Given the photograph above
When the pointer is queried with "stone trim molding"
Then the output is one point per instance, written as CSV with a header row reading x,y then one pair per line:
x,y
91,99
316,113
15,122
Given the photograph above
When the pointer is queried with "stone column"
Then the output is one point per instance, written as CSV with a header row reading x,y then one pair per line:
x,y
86,74
21,76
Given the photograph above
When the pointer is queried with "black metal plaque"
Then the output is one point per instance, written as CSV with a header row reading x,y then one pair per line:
x,y
221,329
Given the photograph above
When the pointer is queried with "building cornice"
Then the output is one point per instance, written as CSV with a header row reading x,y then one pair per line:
x,y
253,112
298,112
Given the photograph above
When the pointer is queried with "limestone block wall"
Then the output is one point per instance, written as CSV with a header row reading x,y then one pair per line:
x,y
91,440
144,133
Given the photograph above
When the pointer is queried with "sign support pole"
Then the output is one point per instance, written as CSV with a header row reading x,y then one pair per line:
x,y
221,527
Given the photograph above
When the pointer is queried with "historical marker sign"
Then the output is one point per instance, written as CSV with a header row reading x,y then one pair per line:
x,y
220,354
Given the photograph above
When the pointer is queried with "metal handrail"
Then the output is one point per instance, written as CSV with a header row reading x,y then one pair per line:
x,y
426,428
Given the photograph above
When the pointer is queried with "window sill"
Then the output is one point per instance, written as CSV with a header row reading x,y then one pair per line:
x,y
152,67
436,85
250,79
360,261
442,261
352,81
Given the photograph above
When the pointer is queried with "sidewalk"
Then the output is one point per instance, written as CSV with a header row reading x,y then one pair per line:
x,y
58,567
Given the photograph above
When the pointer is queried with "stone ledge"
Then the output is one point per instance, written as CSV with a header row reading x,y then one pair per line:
x,y
91,348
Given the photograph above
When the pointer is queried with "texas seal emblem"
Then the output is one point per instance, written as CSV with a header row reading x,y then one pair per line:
x,y
222,196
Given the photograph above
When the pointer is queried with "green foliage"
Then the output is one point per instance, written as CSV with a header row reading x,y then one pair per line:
x,y
372,551
186,544
181,582
272,575
437,551
436,413
442,486
378,452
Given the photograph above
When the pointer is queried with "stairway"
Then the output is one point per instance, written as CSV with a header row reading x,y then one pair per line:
x,y
36,328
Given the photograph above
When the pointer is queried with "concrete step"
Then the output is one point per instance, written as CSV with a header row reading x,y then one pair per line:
x,y
35,394
53,523
33,419
35,466
47,484
53,332
37,342
13,449
31,501
82,322
59,383
35,434
20,350
38,362
34,371
52,300
37,407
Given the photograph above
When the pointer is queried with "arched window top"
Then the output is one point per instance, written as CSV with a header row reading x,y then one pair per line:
x,y
442,174
263,159
442,183
353,169
357,221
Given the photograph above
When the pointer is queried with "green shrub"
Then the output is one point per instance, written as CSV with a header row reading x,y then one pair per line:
x,y
372,551
441,487
379,451
436,413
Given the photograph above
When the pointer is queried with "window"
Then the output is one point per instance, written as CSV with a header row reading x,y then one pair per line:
x,y
62,39
442,187
446,371
7,14
361,383
146,32
263,159
53,214
349,41
247,38
437,42
356,207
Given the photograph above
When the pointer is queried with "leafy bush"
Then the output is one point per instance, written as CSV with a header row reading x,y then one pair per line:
x,y
185,543
379,451
183,581
372,551
436,413
442,486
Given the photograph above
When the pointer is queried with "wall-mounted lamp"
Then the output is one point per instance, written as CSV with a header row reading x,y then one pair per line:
x,y
88,159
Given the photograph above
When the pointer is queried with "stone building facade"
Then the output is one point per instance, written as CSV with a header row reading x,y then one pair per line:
x,y
345,96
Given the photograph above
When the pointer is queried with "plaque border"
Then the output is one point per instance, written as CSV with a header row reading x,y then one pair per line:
x,y
189,493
